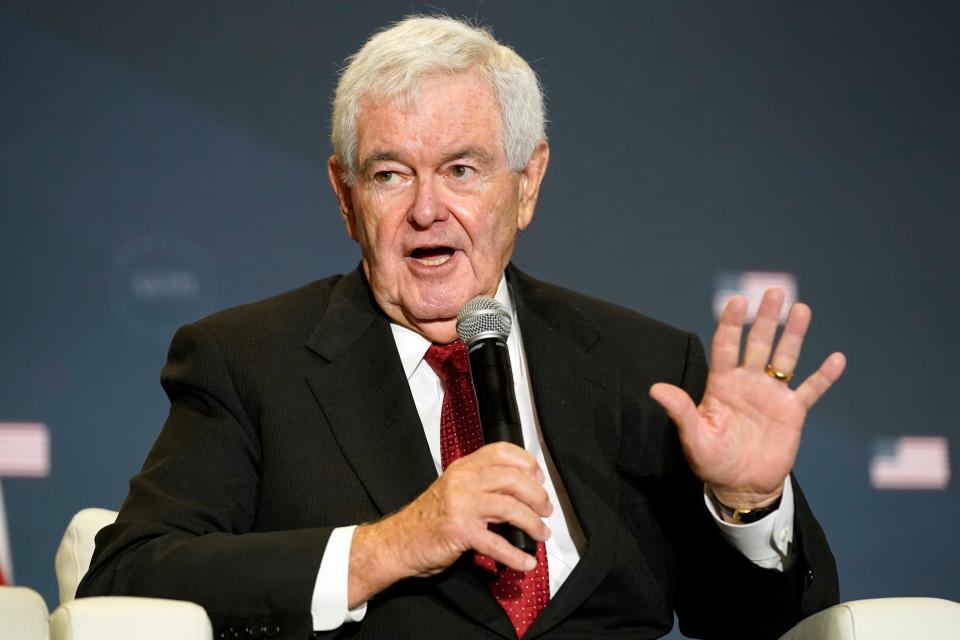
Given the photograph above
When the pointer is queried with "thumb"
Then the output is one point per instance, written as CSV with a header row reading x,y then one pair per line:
x,y
677,402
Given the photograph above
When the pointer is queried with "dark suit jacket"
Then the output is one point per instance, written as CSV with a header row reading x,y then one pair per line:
x,y
293,416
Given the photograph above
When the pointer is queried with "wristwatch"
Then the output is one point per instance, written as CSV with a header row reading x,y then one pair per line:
x,y
745,516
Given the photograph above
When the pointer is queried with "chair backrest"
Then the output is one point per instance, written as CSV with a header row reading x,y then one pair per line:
x,y
23,614
883,619
76,549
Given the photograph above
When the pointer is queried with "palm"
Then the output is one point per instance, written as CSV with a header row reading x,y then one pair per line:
x,y
743,437
747,431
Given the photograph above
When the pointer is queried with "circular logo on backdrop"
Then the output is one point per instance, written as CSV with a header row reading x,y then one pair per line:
x,y
161,282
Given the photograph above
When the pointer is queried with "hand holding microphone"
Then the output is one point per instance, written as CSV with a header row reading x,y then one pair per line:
x,y
499,482
484,325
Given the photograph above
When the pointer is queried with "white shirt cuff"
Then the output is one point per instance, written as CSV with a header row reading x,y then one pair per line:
x,y
329,603
768,542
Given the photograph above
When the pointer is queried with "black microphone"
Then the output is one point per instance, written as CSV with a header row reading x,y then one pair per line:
x,y
484,324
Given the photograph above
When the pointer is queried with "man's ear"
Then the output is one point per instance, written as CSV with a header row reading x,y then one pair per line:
x,y
344,195
531,176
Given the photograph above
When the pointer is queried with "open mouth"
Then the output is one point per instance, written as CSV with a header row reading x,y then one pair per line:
x,y
432,256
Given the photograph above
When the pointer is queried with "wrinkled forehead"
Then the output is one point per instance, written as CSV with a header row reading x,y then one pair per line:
x,y
404,86
443,110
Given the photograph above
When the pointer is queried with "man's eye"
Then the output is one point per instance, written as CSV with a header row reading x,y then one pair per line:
x,y
462,172
386,177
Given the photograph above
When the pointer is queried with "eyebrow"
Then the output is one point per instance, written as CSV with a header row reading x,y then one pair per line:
x,y
470,153
467,153
380,156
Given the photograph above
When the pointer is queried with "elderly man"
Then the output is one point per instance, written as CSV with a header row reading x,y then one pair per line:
x,y
321,470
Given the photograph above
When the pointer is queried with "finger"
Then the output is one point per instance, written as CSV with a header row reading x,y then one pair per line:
x,y
725,349
506,454
495,546
819,381
513,482
791,341
677,403
496,507
756,354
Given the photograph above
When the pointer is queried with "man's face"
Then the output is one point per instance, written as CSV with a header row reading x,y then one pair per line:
x,y
434,206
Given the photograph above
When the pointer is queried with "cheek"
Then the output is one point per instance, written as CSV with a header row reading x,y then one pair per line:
x,y
373,226
491,219
503,224
366,232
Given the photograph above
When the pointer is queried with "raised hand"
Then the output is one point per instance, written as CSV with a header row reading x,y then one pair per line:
x,y
742,439
499,482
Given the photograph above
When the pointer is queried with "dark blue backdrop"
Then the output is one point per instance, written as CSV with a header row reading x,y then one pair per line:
x,y
162,161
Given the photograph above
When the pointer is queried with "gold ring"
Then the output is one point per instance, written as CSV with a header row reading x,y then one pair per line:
x,y
776,374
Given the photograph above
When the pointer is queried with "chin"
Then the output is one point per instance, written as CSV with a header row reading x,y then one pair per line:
x,y
437,304
428,312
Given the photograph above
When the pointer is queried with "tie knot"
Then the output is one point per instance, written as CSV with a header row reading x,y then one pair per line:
x,y
448,360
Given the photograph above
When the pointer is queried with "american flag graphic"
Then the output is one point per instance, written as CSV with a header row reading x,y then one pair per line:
x,y
24,449
911,462
24,453
752,284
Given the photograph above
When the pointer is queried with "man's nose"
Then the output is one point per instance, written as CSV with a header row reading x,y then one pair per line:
x,y
427,207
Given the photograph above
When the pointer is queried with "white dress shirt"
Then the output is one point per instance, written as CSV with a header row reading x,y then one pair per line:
x,y
766,542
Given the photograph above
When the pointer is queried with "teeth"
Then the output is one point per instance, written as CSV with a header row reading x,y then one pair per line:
x,y
432,262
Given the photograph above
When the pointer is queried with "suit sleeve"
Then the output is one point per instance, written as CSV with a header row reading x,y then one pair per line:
x,y
721,593
187,528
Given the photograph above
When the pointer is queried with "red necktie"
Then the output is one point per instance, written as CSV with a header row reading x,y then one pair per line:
x,y
521,594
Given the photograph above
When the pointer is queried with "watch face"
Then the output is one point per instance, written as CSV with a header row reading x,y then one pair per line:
x,y
746,516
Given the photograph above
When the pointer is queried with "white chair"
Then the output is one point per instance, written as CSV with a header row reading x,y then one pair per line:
x,y
121,618
113,617
23,614
882,619
76,549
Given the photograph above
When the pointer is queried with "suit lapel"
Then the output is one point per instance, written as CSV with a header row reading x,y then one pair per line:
x,y
366,399
578,410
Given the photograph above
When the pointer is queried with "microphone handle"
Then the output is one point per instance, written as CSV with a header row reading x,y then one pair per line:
x,y
499,417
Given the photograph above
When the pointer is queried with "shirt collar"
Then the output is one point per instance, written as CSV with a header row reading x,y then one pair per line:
x,y
412,346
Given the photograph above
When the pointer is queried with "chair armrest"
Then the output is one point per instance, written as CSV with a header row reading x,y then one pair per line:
x,y
23,614
882,619
124,618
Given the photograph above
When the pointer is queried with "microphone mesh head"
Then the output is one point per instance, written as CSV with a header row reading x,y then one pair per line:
x,y
483,318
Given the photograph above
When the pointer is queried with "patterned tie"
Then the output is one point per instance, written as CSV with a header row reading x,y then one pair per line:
x,y
521,594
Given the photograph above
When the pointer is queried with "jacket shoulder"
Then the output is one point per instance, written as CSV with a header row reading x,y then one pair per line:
x,y
611,321
643,349
296,312
265,333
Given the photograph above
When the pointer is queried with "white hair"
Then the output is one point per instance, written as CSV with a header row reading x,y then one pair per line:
x,y
395,60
